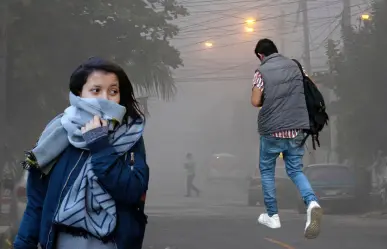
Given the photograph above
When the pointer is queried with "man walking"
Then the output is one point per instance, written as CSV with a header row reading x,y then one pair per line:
x,y
278,90
190,167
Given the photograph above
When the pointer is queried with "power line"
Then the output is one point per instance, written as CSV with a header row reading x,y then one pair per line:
x,y
262,19
222,12
313,40
231,44
313,49
218,19
214,3
225,1
335,28
236,31
234,43
262,5
187,79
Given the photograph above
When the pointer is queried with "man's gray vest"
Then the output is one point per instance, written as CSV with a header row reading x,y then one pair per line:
x,y
284,107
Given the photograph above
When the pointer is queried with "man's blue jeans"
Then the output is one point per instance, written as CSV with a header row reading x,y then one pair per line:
x,y
270,149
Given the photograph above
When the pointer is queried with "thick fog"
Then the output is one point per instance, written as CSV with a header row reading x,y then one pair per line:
x,y
192,63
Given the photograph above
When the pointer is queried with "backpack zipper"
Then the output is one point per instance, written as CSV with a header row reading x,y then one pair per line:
x,y
60,196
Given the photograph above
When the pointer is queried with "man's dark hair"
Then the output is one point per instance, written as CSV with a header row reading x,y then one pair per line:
x,y
265,47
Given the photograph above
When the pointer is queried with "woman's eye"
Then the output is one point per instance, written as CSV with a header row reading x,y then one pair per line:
x,y
114,92
95,90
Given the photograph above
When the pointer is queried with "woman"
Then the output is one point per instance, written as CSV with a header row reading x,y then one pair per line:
x,y
88,173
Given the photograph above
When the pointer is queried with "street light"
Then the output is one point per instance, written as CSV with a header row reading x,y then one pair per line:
x,y
250,21
208,44
249,29
365,17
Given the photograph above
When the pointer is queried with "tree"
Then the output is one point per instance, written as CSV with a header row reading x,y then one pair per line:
x,y
47,39
360,86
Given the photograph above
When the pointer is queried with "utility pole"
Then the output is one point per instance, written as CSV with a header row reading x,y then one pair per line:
x,y
346,22
305,22
306,57
3,45
3,78
346,14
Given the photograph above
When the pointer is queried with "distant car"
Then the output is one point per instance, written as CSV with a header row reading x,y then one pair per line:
x,y
334,185
286,194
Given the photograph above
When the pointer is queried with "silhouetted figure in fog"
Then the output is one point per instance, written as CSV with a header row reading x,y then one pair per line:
x,y
88,174
190,167
278,89
379,170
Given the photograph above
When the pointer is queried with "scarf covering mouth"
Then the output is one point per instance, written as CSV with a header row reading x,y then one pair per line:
x,y
65,129
87,205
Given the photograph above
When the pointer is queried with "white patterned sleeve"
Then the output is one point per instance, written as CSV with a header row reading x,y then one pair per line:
x,y
258,80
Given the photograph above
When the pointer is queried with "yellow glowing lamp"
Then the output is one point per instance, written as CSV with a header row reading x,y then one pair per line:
x,y
249,30
250,21
365,17
209,44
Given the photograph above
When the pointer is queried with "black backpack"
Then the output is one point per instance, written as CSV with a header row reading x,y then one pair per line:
x,y
315,104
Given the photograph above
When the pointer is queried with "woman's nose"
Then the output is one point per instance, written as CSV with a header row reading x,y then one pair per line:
x,y
105,95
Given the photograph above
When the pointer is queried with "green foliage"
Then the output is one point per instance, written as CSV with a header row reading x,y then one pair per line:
x,y
360,85
47,39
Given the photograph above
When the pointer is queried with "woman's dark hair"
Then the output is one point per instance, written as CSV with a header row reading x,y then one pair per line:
x,y
265,47
80,75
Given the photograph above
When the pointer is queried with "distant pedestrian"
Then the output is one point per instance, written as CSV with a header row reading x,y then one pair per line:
x,y
278,89
190,167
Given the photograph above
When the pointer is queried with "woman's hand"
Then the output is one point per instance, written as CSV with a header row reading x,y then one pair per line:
x,y
94,123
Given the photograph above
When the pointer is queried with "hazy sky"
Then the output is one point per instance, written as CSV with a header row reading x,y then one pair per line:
x,y
214,86
222,22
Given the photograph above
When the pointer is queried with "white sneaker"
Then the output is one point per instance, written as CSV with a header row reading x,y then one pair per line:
x,y
313,220
272,222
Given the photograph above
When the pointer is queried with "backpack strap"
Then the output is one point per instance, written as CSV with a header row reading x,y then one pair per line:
x,y
300,67
315,140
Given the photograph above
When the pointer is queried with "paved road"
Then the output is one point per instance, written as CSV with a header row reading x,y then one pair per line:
x,y
233,226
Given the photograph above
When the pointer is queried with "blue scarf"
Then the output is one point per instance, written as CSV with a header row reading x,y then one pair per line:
x,y
87,204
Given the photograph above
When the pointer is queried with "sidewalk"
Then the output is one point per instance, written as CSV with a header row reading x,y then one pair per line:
x,y
375,215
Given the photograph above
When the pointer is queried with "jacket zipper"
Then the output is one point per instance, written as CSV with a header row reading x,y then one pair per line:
x,y
132,161
108,169
60,196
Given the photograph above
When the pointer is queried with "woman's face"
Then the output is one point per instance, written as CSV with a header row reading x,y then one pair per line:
x,y
102,85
